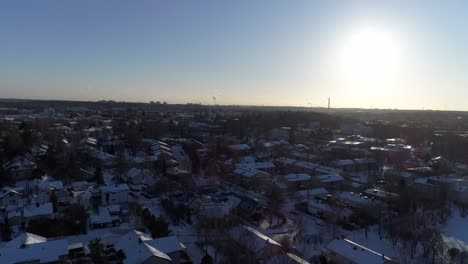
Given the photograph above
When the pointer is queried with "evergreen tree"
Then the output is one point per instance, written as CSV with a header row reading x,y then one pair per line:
x,y
6,230
207,259
97,251
54,201
98,175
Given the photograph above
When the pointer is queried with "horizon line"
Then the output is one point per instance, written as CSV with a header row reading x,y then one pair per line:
x,y
230,105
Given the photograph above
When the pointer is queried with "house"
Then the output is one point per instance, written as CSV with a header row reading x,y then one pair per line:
x,y
239,148
248,176
346,165
139,247
48,186
10,198
327,211
37,210
39,151
20,168
104,218
114,194
329,180
25,239
214,210
250,208
184,161
255,245
305,195
355,129
170,246
206,183
355,200
37,251
134,176
345,251
380,195
80,185
314,169
102,157
297,180
267,166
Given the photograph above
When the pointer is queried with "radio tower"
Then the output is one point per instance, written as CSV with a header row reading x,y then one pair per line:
x,y
328,104
214,100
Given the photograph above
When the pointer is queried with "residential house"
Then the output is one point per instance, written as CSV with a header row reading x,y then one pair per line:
x,y
114,194
255,245
345,251
36,211
34,250
19,168
138,247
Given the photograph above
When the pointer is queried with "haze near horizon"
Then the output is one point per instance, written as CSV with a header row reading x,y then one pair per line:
x,y
380,54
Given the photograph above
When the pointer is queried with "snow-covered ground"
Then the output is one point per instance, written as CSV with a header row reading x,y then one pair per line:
x,y
374,242
456,226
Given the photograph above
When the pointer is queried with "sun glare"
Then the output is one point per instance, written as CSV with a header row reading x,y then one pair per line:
x,y
369,55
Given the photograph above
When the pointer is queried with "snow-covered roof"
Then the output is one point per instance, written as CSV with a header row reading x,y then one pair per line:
x,y
38,210
313,192
251,238
257,165
8,190
356,253
25,239
214,210
329,178
355,198
274,143
133,172
379,193
345,162
19,163
239,147
297,177
79,184
50,185
286,161
135,247
115,188
307,165
247,159
166,245
103,217
45,252
247,172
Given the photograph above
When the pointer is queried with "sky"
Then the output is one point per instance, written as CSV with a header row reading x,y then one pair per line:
x,y
366,54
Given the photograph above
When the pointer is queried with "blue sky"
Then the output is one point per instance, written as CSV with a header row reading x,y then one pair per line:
x,y
242,52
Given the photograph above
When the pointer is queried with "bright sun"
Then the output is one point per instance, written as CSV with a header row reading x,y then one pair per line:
x,y
370,55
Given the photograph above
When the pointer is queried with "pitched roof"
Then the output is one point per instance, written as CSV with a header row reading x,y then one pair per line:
x,y
252,239
45,252
136,249
166,245
355,252
25,239
38,210
19,163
